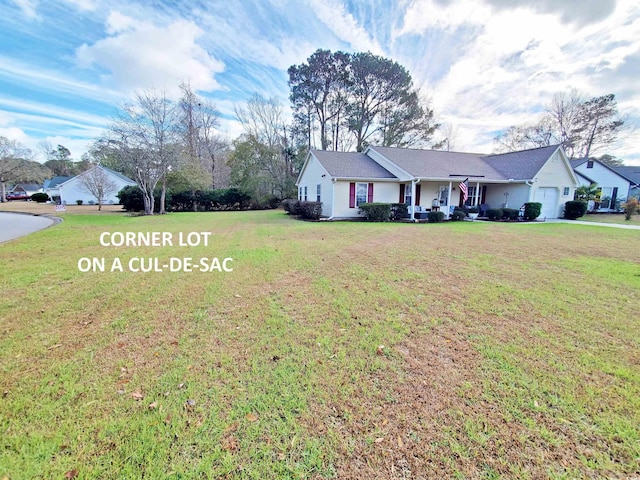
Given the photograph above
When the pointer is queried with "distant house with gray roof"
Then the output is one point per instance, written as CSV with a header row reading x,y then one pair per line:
x,y
632,173
69,190
614,183
429,179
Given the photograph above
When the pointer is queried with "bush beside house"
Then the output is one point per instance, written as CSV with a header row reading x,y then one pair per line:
x,y
574,209
532,210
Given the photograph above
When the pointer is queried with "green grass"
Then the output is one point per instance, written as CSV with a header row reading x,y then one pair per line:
x,y
333,350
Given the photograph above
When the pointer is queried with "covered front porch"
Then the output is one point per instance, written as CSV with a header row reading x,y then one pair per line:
x,y
422,196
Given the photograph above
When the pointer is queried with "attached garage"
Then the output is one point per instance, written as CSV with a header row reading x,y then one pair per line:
x,y
548,197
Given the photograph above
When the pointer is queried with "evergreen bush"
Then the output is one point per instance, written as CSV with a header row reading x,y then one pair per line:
x,y
494,213
532,210
457,215
510,213
40,197
574,209
376,212
435,217
310,210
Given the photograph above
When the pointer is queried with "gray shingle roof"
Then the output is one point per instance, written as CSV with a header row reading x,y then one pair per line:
x,y
350,165
629,172
55,181
437,163
522,165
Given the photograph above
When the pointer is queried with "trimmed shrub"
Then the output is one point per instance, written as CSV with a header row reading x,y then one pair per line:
x,y
510,213
457,215
399,211
574,209
291,206
376,212
532,210
494,214
630,208
310,210
79,202
435,217
40,197
130,198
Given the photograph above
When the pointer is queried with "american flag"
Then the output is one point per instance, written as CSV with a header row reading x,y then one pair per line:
x,y
464,188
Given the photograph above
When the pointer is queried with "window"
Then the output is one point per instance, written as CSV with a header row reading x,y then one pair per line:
x,y
305,193
299,193
589,163
566,190
407,194
318,193
604,197
361,193
472,195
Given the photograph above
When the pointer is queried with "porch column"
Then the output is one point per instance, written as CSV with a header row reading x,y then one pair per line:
x,y
413,200
449,201
477,201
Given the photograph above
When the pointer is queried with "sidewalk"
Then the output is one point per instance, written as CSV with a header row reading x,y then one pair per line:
x,y
593,224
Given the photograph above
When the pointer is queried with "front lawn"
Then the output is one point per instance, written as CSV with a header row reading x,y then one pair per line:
x,y
332,350
611,218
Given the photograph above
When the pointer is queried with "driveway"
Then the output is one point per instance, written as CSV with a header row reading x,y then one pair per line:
x,y
595,224
14,225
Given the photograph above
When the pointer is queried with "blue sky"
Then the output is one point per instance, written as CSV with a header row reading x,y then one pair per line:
x,y
67,65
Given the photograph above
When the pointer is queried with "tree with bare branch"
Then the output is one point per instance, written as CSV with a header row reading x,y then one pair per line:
x,y
146,138
98,183
13,160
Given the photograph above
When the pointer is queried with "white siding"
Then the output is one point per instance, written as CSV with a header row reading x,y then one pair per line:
x,y
311,177
605,178
556,174
73,190
385,192
517,194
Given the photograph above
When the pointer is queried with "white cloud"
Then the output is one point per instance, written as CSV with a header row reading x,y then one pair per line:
x,y
333,14
86,5
29,8
141,55
14,133
517,59
117,23
24,74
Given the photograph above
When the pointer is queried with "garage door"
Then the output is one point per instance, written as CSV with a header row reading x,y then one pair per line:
x,y
548,197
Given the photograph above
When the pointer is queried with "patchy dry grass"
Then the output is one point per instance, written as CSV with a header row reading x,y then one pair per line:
x,y
333,350
611,218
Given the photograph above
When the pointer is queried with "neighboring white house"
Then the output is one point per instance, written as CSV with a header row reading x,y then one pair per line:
x,y
70,190
428,179
51,187
613,186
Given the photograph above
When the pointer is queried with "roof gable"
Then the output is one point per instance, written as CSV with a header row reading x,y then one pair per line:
x,y
119,175
55,181
523,164
617,170
351,165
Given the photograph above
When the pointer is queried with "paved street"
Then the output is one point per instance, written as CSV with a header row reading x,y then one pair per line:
x,y
14,225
